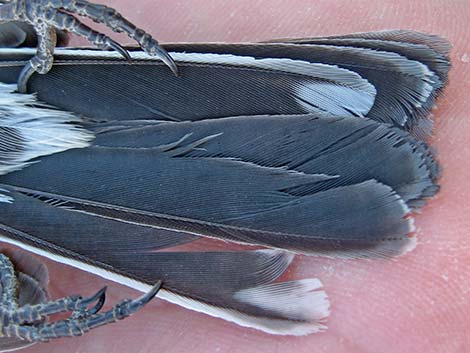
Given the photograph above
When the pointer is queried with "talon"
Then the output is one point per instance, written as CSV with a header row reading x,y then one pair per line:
x,y
121,50
24,77
151,47
152,293
144,299
82,311
168,60
99,304
99,297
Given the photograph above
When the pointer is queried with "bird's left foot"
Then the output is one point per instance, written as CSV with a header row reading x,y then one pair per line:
x,y
47,16
23,324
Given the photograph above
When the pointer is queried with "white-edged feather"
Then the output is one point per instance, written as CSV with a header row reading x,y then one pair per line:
x,y
314,306
404,65
302,299
30,129
5,198
335,90
317,299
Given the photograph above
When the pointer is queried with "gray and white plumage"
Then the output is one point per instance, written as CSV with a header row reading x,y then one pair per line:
x,y
286,145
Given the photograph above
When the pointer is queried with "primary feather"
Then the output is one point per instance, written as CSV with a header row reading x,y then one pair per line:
x,y
210,86
405,72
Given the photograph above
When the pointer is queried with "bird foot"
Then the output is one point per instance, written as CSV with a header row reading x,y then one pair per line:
x,y
48,15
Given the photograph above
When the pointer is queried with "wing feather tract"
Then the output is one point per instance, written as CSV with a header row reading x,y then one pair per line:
x,y
338,147
210,86
316,194
435,61
405,72
217,283
430,50
311,145
406,86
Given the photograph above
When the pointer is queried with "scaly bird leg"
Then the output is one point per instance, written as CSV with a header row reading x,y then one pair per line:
x,y
28,322
47,15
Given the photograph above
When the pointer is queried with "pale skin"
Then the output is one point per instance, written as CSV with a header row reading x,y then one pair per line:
x,y
417,303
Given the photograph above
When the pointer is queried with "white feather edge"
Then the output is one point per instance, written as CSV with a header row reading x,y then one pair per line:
x,y
404,65
309,290
301,67
43,130
357,94
4,197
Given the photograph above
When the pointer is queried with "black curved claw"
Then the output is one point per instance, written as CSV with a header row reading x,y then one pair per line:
x,y
167,59
119,48
25,74
99,297
99,304
144,299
